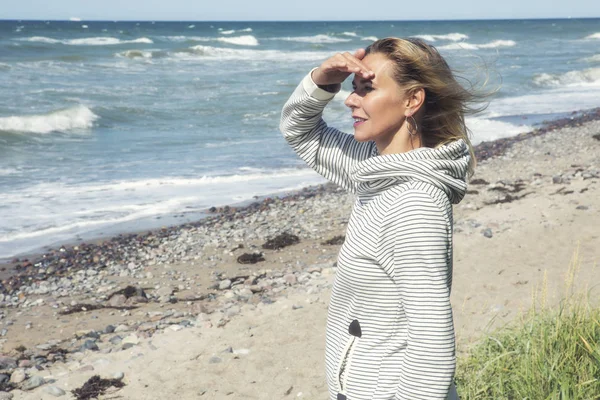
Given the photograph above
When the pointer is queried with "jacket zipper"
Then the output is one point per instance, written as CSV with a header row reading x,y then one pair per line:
x,y
345,365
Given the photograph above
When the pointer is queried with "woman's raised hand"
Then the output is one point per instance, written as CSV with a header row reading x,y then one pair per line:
x,y
337,68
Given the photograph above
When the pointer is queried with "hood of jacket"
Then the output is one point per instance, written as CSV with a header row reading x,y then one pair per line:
x,y
444,167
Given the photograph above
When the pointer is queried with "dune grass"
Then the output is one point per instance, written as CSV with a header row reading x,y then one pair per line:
x,y
549,354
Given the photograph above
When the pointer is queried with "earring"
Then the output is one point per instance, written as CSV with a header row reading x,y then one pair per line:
x,y
412,121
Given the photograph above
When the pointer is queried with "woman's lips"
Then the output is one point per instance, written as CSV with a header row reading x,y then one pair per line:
x,y
358,121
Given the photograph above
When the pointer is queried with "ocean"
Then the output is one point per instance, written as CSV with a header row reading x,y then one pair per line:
x,y
109,127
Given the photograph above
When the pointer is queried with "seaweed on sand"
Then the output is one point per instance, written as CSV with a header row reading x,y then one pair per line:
x,y
280,241
335,240
507,199
94,387
130,291
250,258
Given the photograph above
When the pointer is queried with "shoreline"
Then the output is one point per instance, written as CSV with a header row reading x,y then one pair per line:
x,y
495,148
213,215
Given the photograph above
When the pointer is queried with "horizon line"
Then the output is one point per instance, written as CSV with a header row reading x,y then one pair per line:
x,y
78,19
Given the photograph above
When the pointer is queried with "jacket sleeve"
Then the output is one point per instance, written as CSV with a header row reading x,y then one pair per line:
x,y
327,150
415,248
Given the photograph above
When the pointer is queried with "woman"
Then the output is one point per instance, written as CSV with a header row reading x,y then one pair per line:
x,y
390,332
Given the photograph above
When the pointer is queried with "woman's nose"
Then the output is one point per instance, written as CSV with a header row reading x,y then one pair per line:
x,y
352,100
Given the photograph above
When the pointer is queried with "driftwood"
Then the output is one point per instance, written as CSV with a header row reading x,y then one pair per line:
x,y
197,298
562,191
89,307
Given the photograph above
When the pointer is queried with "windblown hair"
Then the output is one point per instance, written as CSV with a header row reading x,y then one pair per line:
x,y
419,65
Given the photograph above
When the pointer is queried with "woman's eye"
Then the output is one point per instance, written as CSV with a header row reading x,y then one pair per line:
x,y
363,89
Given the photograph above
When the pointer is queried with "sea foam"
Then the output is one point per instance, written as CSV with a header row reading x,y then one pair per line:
x,y
92,41
135,54
232,31
8,171
586,77
487,129
220,53
318,39
246,40
593,36
40,39
592,59
553,100
78,209
178,38
454,37
101,41
470,46
74,118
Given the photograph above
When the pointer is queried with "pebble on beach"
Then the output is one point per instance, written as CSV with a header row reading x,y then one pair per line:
x,y
33,382
54,391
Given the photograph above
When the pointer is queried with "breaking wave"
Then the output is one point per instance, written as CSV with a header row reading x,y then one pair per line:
x,y
74,118
454,37
584,77
92,41
469,46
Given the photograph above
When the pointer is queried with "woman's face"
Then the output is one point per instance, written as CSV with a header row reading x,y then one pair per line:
x,y
378,105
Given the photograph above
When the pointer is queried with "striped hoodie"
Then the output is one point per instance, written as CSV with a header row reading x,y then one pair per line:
x,y
390,333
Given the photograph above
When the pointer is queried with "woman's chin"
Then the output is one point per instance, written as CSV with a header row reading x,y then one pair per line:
x,y
360,138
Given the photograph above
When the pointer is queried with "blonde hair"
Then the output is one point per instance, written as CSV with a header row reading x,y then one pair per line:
x,y
419,65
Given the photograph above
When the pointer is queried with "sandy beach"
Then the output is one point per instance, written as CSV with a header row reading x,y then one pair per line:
x,y
197,323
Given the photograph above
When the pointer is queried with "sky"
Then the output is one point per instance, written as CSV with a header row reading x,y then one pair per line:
x,y
278,10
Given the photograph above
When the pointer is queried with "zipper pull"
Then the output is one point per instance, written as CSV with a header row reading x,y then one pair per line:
x,y
354,329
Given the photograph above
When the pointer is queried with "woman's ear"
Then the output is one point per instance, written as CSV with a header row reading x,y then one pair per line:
x,y
414,101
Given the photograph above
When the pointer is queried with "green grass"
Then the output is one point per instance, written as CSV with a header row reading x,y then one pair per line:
x,y
550,354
